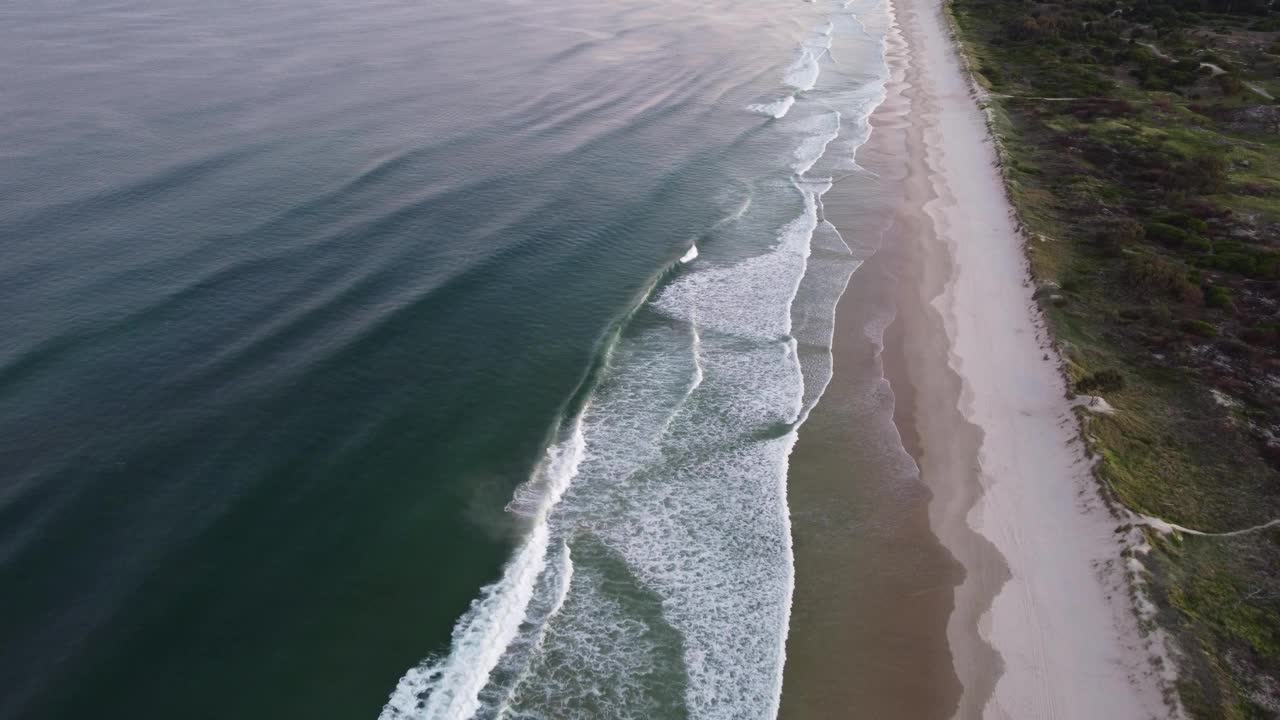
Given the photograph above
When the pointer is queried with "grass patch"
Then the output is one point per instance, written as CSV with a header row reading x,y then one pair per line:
x,y
1153,199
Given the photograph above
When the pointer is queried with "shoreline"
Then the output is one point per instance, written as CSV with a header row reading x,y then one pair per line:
x,y
1037,620
874,586
1043,625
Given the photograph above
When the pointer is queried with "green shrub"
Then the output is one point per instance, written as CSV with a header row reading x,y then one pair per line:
x,y
1268,266
1195,243
1237,262
1270,24
1103,381
1166,234
1155,276
1229,84
1186,221
1206,173
1179,231
1216,296
1198,327
1116,236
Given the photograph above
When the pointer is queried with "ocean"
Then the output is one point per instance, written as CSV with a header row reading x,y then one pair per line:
x,y
414,359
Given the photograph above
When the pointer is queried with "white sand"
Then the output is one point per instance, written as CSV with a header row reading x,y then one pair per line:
x,y
1063,624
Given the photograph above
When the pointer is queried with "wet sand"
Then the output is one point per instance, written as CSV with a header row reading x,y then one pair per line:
x,y
874,585
953,558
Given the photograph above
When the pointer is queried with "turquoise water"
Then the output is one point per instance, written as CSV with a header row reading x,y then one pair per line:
x,y
435,359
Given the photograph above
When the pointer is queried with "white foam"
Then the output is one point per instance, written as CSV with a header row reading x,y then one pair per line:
x,y
657,499
736,214
599,658
698,373
751,298
820,44
566,580
803,73
452,685
674,502
776,109
556,581
813,315
705,527
536,497
819,131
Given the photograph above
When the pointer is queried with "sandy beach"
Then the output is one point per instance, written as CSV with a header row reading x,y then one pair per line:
x,y
1011,600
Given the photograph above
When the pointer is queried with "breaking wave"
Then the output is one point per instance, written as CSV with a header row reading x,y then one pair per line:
x,y
655,575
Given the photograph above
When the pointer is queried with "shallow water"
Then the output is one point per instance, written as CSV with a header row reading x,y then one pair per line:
x,y
446,353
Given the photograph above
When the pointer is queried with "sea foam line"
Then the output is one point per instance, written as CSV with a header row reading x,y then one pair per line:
x,y
565,581
451,686
863,123
776,109
802,74
698,373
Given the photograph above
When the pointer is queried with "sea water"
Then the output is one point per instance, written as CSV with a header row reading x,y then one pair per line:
x,y
655,577
437,357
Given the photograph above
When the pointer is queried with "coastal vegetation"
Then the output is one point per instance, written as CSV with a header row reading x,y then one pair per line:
x,y
1140,144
